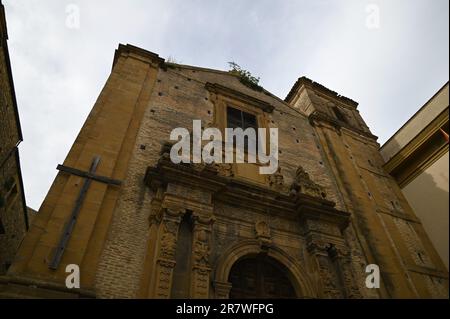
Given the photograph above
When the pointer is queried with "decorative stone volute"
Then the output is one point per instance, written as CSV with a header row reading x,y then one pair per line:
x,y
303,184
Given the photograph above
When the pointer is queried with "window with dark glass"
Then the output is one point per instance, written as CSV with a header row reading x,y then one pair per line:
x,y
238,118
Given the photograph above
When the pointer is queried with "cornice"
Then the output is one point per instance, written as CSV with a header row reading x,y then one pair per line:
x,y
144,55
244,194
414,116
223,90
318,117
305,82
420,140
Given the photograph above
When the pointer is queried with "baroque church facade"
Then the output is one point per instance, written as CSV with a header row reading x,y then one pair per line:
x,y
140,226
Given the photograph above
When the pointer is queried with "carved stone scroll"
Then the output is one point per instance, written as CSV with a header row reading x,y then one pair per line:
x,y
305,185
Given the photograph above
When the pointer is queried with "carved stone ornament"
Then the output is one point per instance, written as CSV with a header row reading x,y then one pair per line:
x,y
262,230
223,169
165,150
201,248
156,211
303,184
169,240
328,277
276,181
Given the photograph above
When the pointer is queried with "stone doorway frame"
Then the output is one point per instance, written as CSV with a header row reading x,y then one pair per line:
x,y
299,279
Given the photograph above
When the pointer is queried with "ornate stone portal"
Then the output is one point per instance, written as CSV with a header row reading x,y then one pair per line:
x,y
197,188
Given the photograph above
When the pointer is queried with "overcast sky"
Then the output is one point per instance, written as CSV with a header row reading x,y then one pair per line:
x,y
391,67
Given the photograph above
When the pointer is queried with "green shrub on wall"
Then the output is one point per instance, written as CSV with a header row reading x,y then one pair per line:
x,y
245,77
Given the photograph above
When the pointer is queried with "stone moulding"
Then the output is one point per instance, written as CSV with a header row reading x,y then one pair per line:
x,y
131,50
302,282
316,118
305,82
223,90
244,193
29,287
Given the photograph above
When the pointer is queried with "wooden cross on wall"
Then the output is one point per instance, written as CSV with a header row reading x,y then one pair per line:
x,y
68,228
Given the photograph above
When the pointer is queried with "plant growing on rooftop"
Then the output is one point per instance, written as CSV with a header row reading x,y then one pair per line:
x,y
245,76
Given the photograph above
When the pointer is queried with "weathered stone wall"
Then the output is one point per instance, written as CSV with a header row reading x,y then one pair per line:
x,y
179,96
109,132
383,221
9,132
12,210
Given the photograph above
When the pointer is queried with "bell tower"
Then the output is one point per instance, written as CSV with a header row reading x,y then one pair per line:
x,y
383,223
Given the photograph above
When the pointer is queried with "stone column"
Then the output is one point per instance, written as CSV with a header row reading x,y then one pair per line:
x,y
342,257
328,277
167,244
201,248
334,265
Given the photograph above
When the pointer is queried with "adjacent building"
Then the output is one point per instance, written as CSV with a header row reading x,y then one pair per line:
x,y
13,210
417,157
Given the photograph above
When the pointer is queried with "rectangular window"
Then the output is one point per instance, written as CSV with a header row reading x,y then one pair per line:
x,y
237,118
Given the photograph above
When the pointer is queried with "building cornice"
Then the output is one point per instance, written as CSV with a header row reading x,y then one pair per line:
x,y
223,90
133,51
243,193
308,83
415,115
319,117
401,164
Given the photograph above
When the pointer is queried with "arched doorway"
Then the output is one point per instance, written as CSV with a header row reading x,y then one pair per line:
x,y
260,276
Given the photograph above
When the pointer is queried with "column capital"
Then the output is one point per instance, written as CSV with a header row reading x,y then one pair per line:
x,y
201,218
